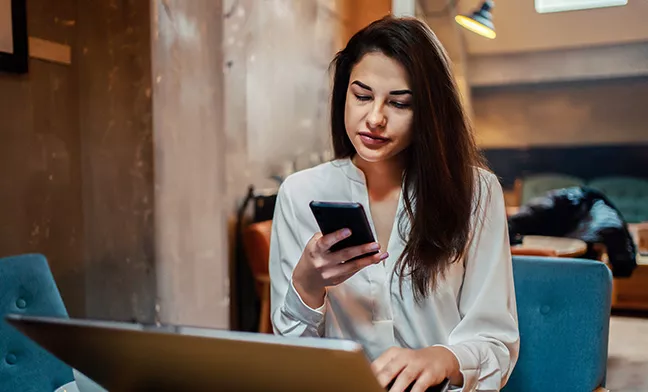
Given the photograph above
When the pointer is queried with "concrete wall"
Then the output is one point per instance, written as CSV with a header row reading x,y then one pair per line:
x,y
114,62
40,157
190,213
277,55
132,213
75,155
579,113
585,129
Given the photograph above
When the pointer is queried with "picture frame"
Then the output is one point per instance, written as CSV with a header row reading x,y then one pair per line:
x,y
14,47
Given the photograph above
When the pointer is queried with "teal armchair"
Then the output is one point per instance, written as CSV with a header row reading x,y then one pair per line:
x,y
27,287
564,315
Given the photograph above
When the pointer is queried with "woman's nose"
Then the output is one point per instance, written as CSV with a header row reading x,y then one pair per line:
x,y
376,118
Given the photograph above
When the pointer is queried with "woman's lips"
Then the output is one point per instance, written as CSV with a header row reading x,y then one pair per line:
x,y
372,140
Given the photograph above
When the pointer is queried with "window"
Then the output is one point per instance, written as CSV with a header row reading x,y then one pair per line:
x,y
545,6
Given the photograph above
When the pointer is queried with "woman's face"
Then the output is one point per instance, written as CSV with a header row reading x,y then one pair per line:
x,y
378,111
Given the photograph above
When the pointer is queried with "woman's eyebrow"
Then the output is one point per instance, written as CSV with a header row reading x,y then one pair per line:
x,y
400,92
362,85
395,92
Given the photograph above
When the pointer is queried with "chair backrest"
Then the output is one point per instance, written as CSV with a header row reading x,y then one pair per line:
x,y
564,315
256,239
539,184
629,195
27,287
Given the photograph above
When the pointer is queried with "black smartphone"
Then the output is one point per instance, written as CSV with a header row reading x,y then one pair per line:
x,y
334,216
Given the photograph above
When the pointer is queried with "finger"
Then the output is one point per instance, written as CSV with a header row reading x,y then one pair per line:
x,y
379,363
343,271
391,370
326,242
405,378
424,381
349,253
315,238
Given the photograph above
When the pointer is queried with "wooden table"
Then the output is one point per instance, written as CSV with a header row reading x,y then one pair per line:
x,y
560,246
639,232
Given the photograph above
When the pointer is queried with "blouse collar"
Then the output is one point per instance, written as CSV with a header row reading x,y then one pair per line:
x,y
350,170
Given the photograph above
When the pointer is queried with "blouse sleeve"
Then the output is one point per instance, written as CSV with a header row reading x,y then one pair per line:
x,y
290,315
486,340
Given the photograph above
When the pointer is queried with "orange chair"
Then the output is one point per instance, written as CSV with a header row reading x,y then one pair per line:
x,y
256,240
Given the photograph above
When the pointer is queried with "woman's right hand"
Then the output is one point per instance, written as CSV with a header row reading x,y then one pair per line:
x,y
319,268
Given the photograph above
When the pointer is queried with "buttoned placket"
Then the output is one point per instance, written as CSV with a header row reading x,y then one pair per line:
x,y
378,275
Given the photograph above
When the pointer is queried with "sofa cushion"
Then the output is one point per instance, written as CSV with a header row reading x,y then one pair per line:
x,y
628,194
539,184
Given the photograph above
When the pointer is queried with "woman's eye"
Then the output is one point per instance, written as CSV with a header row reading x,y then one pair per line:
x,y
400,105
362,98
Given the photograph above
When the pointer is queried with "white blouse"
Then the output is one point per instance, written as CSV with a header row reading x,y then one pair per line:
x,y
472,312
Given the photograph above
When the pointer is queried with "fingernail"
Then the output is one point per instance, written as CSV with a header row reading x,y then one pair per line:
x,y
384,256
346,233
374,246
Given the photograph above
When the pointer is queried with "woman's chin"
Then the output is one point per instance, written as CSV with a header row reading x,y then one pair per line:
x,y
373,155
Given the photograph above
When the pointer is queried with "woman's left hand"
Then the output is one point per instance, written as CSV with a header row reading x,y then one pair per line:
x,y
421,368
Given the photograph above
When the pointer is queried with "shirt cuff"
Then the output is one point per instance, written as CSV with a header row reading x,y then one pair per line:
x,y
302,312
468,366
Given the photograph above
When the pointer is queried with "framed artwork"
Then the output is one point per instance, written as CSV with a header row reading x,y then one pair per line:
x,y
14,51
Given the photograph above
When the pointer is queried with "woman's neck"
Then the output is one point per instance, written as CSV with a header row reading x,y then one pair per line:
x,y
382,177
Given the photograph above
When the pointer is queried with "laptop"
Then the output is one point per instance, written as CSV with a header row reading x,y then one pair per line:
x,y
128,357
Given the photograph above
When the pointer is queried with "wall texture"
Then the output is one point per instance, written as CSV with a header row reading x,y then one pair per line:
x,y
79,150
75,157
585,113
277,54
587,129
114,62
190,215
40,178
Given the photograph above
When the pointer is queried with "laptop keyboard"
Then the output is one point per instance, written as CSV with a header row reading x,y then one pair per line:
x,y
443,387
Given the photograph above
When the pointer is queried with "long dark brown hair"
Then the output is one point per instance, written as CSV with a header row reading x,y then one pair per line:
x,y
440,181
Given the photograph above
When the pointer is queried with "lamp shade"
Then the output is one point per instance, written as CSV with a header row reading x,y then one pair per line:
x,y
480,21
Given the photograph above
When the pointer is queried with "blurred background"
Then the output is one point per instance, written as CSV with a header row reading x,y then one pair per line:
x,y
138,137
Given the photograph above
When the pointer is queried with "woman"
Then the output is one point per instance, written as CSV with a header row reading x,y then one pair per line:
x,y
438,300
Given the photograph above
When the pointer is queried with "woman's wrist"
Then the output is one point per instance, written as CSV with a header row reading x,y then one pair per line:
x,y
453,369
311,296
